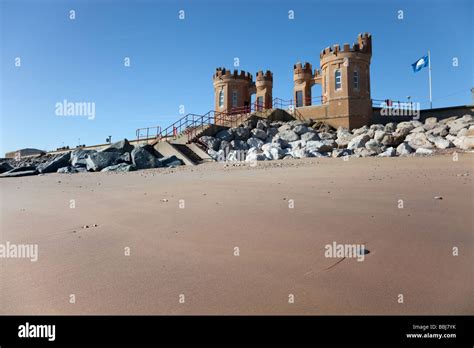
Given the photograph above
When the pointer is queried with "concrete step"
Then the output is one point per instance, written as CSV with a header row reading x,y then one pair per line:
x,y
200,152
167,149
188,152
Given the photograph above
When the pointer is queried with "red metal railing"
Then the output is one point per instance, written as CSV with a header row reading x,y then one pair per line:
x,y
191,124
148,132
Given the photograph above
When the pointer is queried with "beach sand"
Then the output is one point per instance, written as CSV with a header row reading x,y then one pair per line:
x,y
182,227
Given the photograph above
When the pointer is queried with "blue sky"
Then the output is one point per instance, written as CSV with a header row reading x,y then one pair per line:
x,y
172,60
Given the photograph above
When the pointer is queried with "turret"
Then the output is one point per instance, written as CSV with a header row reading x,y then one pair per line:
x,y
264,86
232,90
303,79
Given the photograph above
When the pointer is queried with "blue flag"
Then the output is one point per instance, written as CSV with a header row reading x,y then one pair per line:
x,y
420,64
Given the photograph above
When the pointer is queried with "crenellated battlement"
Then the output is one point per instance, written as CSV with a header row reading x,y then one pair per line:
x,y
305,68
223,73
363,45
267,76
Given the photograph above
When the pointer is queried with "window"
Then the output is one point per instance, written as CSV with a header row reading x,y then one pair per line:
x,y
337,76
356,79
326,80
259,103
221,98
234,99
299,98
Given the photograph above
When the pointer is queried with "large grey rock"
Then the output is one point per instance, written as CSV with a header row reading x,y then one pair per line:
x,y
301,129
298,144
447,120
272,131
121,167
238,145
373,145
358,141
418,140
419,129
288,135
440,142
225,134
430,123
341,153
376,127
343,137
170,161
280,142
404,149
309,136
326,136
143,158
361,130
273,153
5,167
408,125
284,127
253,155
402,132
78,157
125,157
255,142
225,146
378,135
390,127
389,152
99,160
423,152
456,125
363,152
440,130
241,133
262,125
20,171
68,170
300,153
210,142
259,133
53,165
119,146
319,146
466,142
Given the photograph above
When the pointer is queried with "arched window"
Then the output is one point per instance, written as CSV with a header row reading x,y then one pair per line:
x,y
338,79
234,99
355,79
221,98
326,80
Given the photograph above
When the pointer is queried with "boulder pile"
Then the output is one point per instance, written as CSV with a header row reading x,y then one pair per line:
x,y
260,140
117,157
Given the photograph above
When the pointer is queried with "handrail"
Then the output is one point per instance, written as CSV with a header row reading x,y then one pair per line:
x,y
189,123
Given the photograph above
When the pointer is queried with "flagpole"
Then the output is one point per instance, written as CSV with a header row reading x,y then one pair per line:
x,y
429,77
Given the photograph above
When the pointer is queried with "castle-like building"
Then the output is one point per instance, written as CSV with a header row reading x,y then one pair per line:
x,y
344,76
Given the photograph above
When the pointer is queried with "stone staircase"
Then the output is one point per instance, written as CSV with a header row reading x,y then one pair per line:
x,y
181,138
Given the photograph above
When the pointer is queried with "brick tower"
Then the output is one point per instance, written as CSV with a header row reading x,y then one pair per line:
x,y
264,85
232,90
345,80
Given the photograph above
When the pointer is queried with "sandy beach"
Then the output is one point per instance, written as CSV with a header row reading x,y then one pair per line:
x,y
182,227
